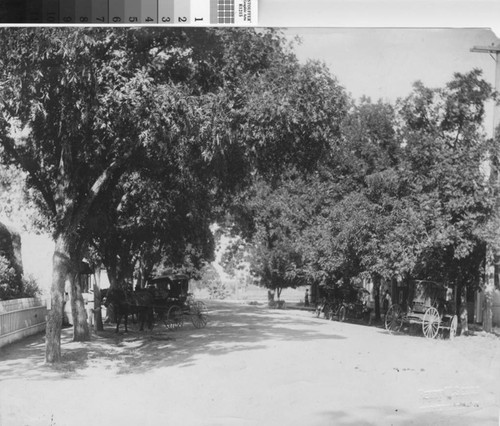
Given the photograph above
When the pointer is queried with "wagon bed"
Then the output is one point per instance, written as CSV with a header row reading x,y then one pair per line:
x,y
428,309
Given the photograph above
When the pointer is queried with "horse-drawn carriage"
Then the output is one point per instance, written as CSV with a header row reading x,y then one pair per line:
x,y
353,304
329,302
344,301
172,301
430,307
165,299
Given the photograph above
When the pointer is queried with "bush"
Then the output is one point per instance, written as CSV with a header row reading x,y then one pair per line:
x,y
217,290
211,281
30,287
12,286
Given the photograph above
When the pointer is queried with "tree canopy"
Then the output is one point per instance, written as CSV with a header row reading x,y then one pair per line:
x,y
401,193
134,140
131,133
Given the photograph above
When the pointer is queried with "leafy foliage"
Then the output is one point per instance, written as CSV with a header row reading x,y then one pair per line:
x,y
401,194
12,286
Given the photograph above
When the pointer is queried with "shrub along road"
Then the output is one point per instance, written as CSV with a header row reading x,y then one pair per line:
x,y
254,366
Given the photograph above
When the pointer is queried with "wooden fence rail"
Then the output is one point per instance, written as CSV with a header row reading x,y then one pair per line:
x,y
20,318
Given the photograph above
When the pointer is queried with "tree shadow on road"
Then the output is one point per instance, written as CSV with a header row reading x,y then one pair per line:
x,y
231,327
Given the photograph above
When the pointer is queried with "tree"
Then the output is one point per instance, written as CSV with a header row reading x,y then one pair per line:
x,y
444,156
81,100
433,204
81,107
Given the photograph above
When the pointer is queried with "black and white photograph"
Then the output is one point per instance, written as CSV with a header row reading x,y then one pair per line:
x,y
257,225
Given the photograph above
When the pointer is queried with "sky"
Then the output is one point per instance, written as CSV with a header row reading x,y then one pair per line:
x,y
384,63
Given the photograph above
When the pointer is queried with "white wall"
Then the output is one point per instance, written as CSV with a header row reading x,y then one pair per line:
x,y
37,251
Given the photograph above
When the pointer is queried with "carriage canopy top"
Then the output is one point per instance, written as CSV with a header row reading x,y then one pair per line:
x,y
177,285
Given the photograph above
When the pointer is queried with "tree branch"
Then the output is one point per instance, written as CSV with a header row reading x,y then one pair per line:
x,y
113,171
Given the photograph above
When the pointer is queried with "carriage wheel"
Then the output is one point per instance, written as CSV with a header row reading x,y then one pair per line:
x,y
453,327
175,317
342,313
430,323
199,316
394,318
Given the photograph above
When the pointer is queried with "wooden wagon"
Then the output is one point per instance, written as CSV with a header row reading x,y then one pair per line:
x,y
430,308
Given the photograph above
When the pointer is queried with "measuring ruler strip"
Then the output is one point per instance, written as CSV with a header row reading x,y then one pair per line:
x,y
127,12
182,10
200,12
149,12
132,12
165,11
67,11
116,11
83,11
50,10
99,11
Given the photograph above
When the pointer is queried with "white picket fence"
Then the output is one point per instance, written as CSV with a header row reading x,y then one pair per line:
x,y
20,318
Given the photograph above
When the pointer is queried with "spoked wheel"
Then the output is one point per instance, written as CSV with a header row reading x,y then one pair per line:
x,y
199,316
342,313
430,323
175,318
453,327
394,318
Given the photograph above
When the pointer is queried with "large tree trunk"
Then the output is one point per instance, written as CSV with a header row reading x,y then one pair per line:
x,y
81,331
61,266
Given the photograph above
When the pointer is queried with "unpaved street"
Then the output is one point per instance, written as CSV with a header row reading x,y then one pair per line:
x,y
254,366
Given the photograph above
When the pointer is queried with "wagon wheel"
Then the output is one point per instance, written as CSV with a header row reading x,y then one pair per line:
x,y
199,316
175,317
394,318
430,323
342,313
453,327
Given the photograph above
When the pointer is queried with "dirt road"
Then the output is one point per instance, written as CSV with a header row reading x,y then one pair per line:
x,y
254,366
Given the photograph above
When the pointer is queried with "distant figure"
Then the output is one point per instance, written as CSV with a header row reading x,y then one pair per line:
x,y
306,299
464,316
387,301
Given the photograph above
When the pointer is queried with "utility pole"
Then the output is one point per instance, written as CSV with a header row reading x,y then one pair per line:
x,y
493,257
